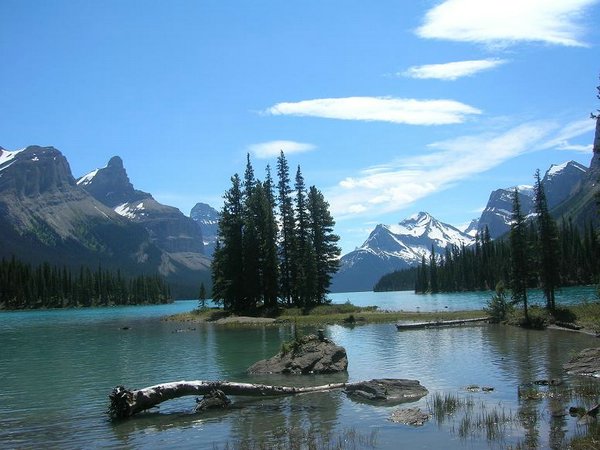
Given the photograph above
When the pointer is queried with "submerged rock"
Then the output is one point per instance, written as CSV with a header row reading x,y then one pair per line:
x,y
309,354
586,362
387,390
411,416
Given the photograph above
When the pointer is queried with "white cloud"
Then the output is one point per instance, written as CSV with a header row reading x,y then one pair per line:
x,y
271,149
565,145
396,185
452,70
502,22
384,109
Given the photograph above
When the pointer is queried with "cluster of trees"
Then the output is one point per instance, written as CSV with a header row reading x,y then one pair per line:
x,y
544,254
24,286
275,245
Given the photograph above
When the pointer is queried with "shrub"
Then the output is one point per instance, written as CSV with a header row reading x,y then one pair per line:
x,y
498,307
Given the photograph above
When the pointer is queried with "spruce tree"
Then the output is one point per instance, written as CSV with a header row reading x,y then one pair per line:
x,y
520,269
286,217
228,275
326,249
251,235
548,257
433,274
268,242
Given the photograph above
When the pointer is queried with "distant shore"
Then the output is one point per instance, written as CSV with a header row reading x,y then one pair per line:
x,y
344,314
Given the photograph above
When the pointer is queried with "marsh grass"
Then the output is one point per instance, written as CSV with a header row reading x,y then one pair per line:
x,y
306,439
470,419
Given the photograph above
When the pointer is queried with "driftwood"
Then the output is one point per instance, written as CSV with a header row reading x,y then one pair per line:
x,y
125,403
438,323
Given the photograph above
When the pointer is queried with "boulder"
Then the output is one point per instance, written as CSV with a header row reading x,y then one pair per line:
x,y
586,362
387,390
307,355
411,416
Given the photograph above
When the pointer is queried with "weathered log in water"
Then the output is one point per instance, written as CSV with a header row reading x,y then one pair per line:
x,y
125,402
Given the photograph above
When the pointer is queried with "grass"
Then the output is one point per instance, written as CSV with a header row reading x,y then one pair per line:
x,y
344,314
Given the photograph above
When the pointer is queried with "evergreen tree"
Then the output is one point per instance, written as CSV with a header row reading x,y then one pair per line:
x,y
520,270
548,259
228,275
433,275
286,217
251,235
202,296
268,242
326,249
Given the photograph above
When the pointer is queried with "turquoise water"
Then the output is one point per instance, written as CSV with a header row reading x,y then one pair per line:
x,y
58,367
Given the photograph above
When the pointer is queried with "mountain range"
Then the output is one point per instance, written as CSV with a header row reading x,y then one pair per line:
x,y
571,189
97,220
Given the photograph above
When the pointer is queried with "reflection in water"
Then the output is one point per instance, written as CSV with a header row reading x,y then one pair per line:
x,y
57,372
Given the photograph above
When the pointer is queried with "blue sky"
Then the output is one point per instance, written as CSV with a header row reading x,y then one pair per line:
x,y
390,107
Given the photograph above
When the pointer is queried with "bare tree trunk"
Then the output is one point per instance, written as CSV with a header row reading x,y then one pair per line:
x,y
125,403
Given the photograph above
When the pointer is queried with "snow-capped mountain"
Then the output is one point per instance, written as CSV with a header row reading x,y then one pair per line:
x,y
169,228
207,218
559,183
395,247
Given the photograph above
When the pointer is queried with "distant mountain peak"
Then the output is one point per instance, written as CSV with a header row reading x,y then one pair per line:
x,y
393,247
115,162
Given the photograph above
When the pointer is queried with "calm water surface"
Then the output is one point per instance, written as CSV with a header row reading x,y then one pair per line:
x,y
58,367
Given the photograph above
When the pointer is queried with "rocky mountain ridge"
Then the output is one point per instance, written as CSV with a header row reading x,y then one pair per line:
x,y
45,215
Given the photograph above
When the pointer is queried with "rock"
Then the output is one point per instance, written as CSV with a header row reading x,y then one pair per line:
x,y
387,390
213,400
411,416
586,362
308,354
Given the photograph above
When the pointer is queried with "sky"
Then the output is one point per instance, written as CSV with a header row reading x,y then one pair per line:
x,y
389,107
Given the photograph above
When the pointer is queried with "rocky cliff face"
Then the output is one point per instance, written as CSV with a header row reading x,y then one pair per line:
x,y
208,219
45,216
560,182
168,227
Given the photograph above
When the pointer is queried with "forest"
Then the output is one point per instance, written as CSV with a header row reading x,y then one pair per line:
x,y
24,286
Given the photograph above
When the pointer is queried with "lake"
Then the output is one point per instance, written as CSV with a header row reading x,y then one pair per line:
x,y
58,367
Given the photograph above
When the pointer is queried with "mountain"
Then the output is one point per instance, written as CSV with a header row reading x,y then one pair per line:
x,y
581,208
176,235
560,182
208,219
394,247
45,216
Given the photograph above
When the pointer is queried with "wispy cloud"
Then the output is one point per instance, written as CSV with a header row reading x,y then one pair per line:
x,y
572,130
265,150
398,184
452,70
502,22
383,109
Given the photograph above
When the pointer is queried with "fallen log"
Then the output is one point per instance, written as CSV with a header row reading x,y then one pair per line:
x,y
125,402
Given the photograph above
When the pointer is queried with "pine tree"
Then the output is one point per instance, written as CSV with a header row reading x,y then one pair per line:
x,y
520,270
326,250
202,296
548,245
251,212
268,242
286,217
228,275
433,275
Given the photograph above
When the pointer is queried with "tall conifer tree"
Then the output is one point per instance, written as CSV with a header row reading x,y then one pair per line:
x,y
519,255
548,257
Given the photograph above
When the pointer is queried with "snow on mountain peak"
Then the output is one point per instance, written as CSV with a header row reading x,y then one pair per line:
x,y
557,169
87,179
6,156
